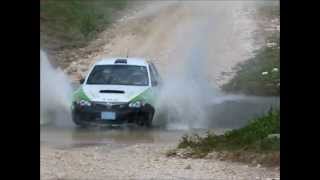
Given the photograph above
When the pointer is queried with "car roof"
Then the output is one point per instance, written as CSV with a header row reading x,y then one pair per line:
x,y
130,61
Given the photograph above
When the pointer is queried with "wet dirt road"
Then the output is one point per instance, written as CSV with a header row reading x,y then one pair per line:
x,y
226,113
119,136
129,152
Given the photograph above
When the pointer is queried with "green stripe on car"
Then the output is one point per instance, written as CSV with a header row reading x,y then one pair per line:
x,y
147,95
80,95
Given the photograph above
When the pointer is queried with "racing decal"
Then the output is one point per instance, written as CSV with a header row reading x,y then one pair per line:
x,y
80,95
147,95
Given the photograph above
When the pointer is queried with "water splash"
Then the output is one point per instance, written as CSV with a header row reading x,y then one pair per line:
x,y
202,45
55,94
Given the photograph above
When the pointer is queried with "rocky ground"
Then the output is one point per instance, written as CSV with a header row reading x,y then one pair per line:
x,y
140,161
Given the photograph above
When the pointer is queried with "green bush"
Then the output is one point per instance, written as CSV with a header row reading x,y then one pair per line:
x,y
249,78
72,23
269,11
253,137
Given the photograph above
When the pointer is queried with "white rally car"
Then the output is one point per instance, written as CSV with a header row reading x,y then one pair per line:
x,y
117,91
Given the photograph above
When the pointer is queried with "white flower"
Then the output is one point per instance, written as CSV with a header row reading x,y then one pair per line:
x,y
265,73
275,70
272,44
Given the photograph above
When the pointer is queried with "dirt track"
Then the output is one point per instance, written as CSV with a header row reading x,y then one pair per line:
x,y
142,161
131,154
165,32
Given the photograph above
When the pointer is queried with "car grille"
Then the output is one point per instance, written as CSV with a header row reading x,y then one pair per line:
x,y
106,106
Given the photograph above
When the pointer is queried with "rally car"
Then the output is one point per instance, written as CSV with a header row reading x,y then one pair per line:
x,y
117,91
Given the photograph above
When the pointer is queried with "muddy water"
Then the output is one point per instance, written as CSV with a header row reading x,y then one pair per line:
x,y
114,137
236,111
227,113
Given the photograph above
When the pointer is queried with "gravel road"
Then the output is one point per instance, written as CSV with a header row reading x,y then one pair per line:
x,y
165,32
141,161
137,154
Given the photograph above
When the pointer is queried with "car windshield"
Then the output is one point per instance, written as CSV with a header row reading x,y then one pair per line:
x,y
119,75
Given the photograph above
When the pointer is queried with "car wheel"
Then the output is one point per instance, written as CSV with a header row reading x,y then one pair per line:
x,y
148,119
145,120
77,121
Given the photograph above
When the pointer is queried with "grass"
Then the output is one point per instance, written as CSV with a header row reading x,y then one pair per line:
x,y
247,143
250,77
269,11
72,23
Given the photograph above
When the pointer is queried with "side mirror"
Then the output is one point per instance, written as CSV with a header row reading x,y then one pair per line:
x,y
81,80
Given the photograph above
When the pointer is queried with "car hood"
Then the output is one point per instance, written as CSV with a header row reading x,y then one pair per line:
x,y
94,93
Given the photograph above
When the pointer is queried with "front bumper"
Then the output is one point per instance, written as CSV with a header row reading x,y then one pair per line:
x,y
92,114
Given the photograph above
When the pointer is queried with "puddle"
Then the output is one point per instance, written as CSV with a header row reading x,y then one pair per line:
x,y
224,115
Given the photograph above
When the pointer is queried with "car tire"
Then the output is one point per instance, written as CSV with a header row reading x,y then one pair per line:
x,y
77,121
148,119
145,120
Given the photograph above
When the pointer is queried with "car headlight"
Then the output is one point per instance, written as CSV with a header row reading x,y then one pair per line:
x,y
136,104
84,103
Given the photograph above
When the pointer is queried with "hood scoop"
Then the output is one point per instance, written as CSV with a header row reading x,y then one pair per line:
x,y
112,91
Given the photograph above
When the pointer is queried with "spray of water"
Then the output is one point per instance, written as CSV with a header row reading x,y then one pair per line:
x,y
202,45
55,94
